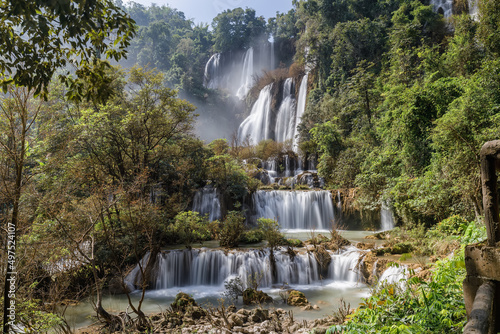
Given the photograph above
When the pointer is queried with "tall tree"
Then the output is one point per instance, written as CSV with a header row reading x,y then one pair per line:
x,y
17,116
38,37
237,29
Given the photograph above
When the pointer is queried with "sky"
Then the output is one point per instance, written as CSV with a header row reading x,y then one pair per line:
x,y
203,11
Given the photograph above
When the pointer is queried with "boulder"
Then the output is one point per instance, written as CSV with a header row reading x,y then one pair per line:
x,y
297,298
322,256
251,296
259,315
182,302
365,245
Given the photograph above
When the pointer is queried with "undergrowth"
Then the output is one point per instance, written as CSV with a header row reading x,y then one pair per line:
x,y
414,305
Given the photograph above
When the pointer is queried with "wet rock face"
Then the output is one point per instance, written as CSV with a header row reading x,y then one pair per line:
x,y
323,257
372,267
297,298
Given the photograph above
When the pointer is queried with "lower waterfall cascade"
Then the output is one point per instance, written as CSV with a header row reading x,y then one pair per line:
x,y
212,267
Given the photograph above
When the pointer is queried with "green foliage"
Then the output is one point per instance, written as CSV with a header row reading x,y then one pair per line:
x,y
294,242
414,305
252,236
40,37
237,29
190,227
227,175
171,43
271,231
232,229
489,29
454,225
29,315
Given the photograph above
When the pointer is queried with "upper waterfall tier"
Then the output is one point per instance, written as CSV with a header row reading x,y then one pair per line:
x,y
301,107
296,209
257,125
234,71
280,125
285,121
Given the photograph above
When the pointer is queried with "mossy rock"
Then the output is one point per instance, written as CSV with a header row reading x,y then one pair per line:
x,y
294,243
297,298
251,296
337,241
382,251
182,302
317,240
402,248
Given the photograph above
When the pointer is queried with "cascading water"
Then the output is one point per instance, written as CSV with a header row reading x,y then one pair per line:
x,y
213,73
285,121
246,74
301,107
345,266
473,9
394,275
257,125
204,267
443,7
206,201
386,218
295,209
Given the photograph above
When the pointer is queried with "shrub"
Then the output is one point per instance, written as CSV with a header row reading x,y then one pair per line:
x,y
454,225
190,227
231,229
271,231
294,243
414,305
252,237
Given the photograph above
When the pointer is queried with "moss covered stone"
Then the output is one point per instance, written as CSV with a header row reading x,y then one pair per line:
x,y
297,298
251,296
182,302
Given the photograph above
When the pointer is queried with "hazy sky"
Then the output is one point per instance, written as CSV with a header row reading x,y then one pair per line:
x,y
205,10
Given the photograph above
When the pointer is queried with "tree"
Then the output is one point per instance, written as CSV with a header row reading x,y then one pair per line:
x,y
237,29
17,117
37,37
191,228
489,29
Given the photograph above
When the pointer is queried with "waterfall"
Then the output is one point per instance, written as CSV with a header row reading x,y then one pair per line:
x,y
296,209
442,7
344,266
206,201
205,267
394,275
257,124
285,121
301,107
473,9
212,72
386,218
246,74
